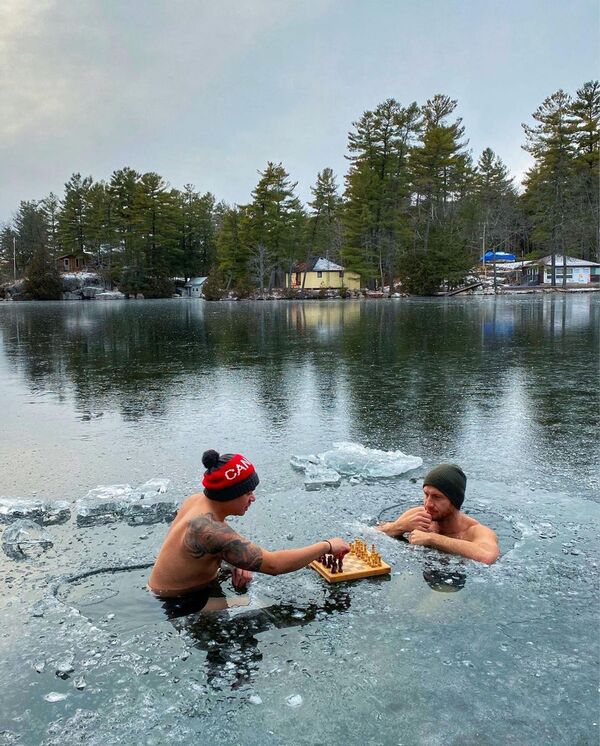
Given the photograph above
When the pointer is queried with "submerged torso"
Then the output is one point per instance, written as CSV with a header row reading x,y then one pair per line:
x,y
177,571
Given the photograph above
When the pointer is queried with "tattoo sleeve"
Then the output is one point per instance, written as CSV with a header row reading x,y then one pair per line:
x,y
205,535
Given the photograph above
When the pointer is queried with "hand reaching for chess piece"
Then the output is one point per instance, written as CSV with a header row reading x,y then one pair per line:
x,y
339,547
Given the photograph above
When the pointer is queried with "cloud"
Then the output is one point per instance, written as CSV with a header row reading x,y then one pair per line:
x,y
110,66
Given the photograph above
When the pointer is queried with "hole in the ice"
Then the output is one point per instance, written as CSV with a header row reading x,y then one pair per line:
x,y
508,532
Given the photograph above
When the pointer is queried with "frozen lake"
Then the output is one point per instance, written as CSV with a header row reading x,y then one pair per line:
x,y
445,651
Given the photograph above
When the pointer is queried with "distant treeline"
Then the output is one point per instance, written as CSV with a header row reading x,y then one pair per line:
x,y
414,206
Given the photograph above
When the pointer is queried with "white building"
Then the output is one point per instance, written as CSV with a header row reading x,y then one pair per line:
x,y
193,288
579,271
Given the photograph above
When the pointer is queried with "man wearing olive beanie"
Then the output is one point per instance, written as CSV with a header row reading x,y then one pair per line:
x,y
440,524
200,538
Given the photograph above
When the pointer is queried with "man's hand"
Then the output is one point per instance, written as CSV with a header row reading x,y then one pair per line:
x,y
421,538
411,520
240,578
339,547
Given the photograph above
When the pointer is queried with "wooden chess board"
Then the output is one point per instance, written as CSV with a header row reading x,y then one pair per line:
x,y
353,569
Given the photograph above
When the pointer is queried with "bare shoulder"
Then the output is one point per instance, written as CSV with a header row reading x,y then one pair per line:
x,y
207,535
477,531
412,511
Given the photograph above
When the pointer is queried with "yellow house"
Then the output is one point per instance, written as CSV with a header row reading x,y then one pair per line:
x,y
322,274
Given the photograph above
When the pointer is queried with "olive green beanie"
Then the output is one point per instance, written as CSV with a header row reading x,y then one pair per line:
x,y
449,479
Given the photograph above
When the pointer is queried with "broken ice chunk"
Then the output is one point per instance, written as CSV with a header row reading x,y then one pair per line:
x,y
133,512
108,492
301,463
294,700
41,511
25,538
353,459
318,476
64,668
153,486
54,697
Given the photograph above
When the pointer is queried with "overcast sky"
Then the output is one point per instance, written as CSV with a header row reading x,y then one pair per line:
x,y
207,91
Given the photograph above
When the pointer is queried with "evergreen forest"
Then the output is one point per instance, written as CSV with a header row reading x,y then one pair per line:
x,y
414,206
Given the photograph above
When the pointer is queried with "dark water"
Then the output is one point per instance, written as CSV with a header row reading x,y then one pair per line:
x,y
94,393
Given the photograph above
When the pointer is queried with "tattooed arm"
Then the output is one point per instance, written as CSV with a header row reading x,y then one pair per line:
x,y
206,535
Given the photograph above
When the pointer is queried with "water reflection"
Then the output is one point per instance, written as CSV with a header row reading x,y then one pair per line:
x,y
232,642
444,581
223,623
416,373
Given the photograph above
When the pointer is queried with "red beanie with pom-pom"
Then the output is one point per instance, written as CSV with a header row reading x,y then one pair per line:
x,y
227,476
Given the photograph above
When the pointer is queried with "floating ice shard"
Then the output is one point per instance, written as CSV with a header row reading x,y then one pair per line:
x,y
64,668
138,512
353,459
318,476
301,463
108,492
41,511
294,700
25,538
54,697
153,486
118,502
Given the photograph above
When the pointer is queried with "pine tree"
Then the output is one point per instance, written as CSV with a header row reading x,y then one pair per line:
x,y
123,235
31,235
42,278
197,232
233,253
495,199
324,220
273,225
51,209
442,178
378,189
73,216
8,243
585,120
156,227
549,183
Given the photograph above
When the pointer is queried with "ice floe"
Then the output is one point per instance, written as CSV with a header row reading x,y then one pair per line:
x,y
121,502
25,538
40,511
352,460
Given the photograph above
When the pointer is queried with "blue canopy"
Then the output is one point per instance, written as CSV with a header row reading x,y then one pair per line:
x,y
498,256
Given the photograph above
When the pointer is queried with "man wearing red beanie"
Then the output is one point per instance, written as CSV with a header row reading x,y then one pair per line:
x,y
440,524
199,538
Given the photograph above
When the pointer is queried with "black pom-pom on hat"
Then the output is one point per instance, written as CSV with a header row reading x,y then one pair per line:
x,y
210,459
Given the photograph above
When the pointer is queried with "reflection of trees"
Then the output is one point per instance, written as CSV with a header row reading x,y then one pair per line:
x,y
411,368
559,353
414,369
122,355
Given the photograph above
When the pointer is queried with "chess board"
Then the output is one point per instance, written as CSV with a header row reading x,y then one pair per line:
x,y
354,568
